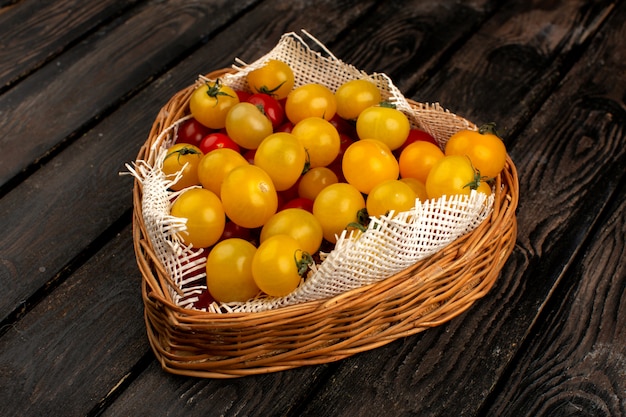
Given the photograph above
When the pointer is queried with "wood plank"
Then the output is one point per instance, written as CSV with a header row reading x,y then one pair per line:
x,y
522,53
36,213
32,32
560,202
80,341
62,208
412,39
58,102
574,363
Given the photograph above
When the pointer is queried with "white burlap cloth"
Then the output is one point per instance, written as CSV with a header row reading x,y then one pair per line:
x,y
391,243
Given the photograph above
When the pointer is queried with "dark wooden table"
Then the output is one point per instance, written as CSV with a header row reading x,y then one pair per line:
x,y
80,84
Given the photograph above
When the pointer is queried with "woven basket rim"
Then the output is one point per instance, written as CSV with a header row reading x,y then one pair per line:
x,y
161,310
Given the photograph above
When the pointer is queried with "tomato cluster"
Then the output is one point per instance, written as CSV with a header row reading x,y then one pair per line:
x,y
283,170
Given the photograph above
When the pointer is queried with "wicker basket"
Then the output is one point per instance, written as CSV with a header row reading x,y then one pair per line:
x,y
430,293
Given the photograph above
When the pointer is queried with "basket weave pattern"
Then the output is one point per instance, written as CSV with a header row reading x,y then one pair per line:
x,y
427,294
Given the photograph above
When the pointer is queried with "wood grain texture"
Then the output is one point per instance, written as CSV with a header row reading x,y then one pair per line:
x,y
521,53
550,230
575,361
409,40
65,96
34,32
576,357
549,337
91,325
97,157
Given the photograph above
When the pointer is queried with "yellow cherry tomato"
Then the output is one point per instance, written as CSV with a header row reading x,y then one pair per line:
x,y
297,223
276,265
368,162
229,271
386,124
210,103
283,157
354,96
336,206
275,78
183,158
451,175
320,139
417,159
483,147
310,100
390,195
249,196
205,216
215,165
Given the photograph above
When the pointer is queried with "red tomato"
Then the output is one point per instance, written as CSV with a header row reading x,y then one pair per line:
x,y
299,202
233,230
270,107
191,131
416,135
249,155
217,140
243,95
343,126
286,127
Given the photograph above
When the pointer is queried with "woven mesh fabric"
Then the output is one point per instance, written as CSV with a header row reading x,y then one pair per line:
x,y
391,243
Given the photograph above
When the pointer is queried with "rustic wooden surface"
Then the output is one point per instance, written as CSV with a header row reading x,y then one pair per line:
x,y
80,83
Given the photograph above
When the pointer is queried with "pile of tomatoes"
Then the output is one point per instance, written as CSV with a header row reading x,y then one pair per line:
x,y
283,170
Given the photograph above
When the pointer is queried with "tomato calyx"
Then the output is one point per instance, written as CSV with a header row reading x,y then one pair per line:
x,y
304,262
183,151
270,91
362,220
475,183
388,105
488,128
215,90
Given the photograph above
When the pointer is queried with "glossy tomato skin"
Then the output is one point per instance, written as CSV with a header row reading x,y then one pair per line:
x,y
320,139
385,124
368,162
205,216
315,180
243,95
233,230
247,125
486,150
184,158
217,140
390,195
275,265
451,175
298,223
249,196
283,157
210,103
336,206
215,165
270,107
286,127
354,96
310,100
229,271
275,78
417,159
192,132
344,127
